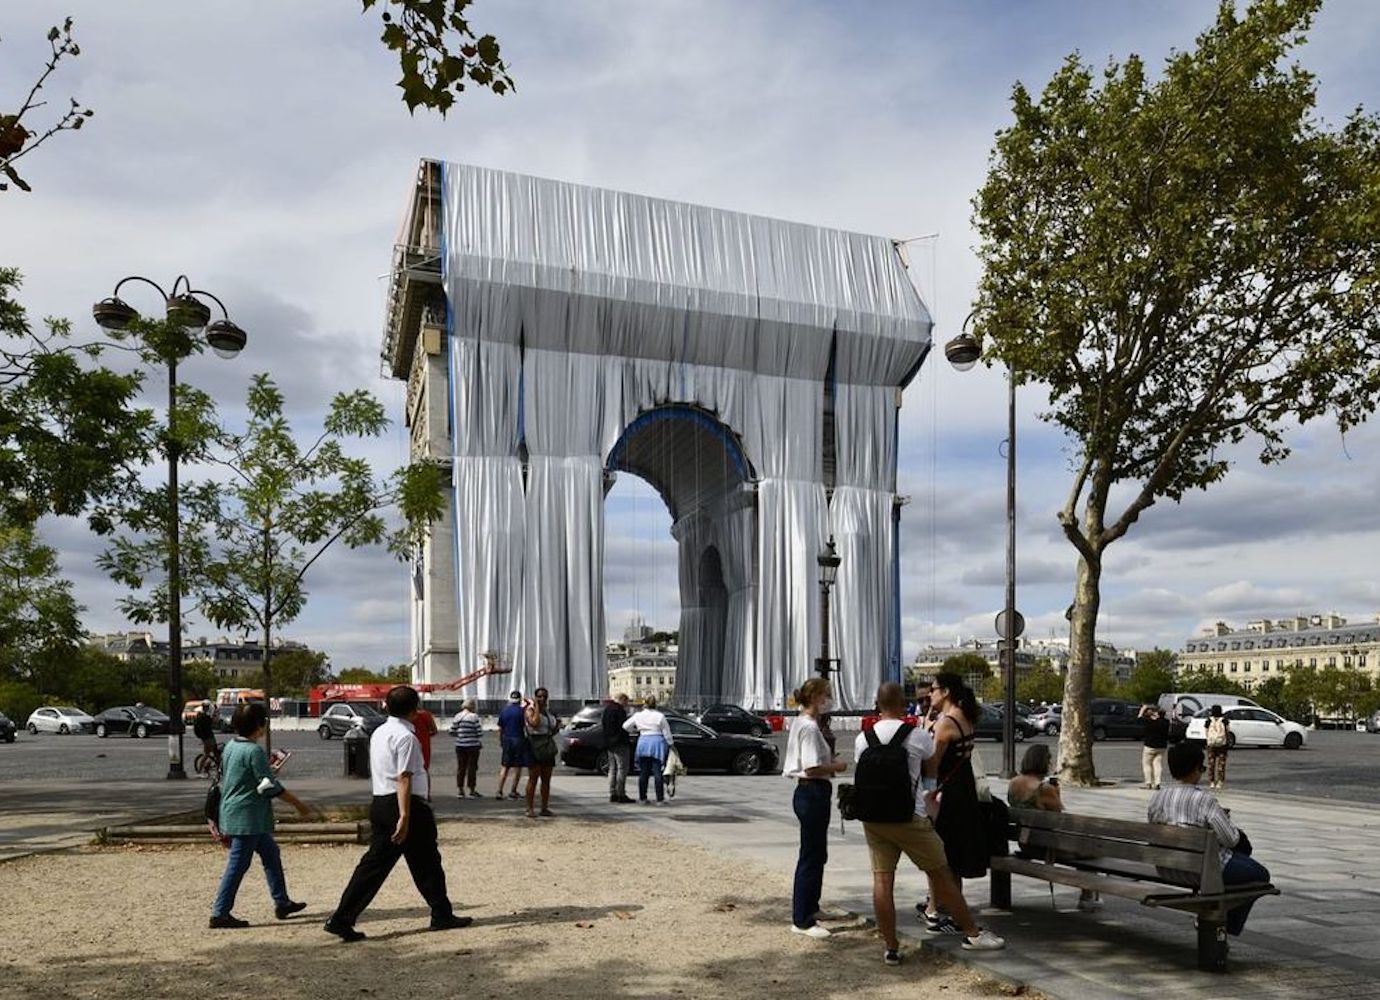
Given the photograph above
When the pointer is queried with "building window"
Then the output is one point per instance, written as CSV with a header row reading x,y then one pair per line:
x,y
1233,666
1264,666
1312,661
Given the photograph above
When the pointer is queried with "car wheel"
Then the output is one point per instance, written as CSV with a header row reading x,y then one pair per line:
x,y
747,762
601,762
33,730
1099,734
142,732
1052,729
324,732
100,730
1019,735
1231,740
1293,741
63,730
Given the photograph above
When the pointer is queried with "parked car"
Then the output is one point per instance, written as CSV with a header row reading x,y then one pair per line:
x,y
1251,727
700,749
1049,720
340,718
1371,723
734,719
7,728
989,725
133,720
62,719
1113,719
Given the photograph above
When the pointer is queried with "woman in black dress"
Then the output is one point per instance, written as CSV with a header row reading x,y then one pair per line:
x,y
959,823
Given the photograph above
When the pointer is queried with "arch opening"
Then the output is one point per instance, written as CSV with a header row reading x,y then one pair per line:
x,y
697,466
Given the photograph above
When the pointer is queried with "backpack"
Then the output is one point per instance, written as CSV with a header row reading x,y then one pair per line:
x,y
1217,732
882,791
211,810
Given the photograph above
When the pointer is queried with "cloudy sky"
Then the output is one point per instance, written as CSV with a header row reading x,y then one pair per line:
x,y
261,147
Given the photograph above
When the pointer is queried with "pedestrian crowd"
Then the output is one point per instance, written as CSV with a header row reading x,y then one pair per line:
x,y
915,789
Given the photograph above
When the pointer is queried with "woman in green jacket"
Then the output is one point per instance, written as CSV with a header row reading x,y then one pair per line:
x,y
248,788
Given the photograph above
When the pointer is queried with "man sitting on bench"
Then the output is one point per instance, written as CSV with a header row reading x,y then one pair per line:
x,y
1183,803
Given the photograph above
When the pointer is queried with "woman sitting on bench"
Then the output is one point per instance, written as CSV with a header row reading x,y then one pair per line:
x,y
1033,788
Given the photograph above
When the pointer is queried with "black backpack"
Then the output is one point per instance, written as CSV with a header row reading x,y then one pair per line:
x,y
882,790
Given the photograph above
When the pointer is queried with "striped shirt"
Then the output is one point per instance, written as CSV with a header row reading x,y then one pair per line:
x,y
1188,805
466,729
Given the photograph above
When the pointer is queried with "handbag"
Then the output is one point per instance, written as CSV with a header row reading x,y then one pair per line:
x,y
674,767
543,747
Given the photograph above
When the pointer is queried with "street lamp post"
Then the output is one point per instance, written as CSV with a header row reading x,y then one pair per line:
x,y
185,311
963,353
828,572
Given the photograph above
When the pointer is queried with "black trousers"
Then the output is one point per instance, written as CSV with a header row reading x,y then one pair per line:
x,y
419,849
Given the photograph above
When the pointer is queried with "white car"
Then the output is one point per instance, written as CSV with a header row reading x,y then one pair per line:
x,y
1047,720
60,719
1251,727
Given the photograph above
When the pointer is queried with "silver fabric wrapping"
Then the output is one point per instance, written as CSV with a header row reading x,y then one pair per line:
x,y
573,312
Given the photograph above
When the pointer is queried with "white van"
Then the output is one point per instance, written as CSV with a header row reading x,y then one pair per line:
x,y
1186,704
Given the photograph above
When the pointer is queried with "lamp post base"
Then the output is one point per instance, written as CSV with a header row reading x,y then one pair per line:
x,y
176,772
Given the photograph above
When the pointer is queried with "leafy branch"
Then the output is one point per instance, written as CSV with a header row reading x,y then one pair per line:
x,y
439,53
17,140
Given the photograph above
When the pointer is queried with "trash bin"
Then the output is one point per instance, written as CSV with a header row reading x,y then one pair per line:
x,y
356,744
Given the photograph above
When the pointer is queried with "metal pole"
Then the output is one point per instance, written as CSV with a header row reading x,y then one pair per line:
x,y
824,630
175,768
1008,724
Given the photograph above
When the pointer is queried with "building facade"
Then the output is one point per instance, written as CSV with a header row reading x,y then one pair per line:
x,y
930,660
229,659
644,673
1267,648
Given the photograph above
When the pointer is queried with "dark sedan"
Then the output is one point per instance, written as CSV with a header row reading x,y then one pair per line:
x,y
131,720
7,728
700,749
989,726
734,719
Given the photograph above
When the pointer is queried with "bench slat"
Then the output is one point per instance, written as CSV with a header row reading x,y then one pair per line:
x,y
1094,847
1138,891
1184,838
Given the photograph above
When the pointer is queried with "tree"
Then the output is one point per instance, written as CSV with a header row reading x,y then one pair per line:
x,y
1152,677
295,672
285,505
70,432
399,674
1184,261
1041,683
38,613
1104,683
970,666
439,53
16,138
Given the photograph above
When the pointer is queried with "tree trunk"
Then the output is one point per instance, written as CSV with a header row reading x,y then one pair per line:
x,y
1075,734
268,637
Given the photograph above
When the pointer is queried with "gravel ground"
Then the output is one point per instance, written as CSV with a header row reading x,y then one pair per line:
x,y
563,909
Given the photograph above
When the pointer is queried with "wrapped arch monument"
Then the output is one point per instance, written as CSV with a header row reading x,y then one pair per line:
x,y
554,336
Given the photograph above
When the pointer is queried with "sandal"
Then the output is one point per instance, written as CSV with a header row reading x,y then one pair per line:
x,y
531,815
545,812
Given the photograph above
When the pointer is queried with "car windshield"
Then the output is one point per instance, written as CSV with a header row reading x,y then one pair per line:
x,y
148,713
69,711
367,710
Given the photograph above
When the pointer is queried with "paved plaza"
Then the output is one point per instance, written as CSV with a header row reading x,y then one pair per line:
x,y
1317,939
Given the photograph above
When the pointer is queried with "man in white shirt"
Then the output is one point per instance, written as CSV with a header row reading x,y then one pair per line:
x,y
915,838
401,824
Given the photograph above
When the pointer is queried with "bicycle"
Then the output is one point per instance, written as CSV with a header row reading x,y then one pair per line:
x,y
207,764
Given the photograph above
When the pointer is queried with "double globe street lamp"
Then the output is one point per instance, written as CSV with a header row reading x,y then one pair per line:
x,y
184,311
963,352
828,561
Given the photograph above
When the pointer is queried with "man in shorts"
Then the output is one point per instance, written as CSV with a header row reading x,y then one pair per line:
x,y
916,839
512,739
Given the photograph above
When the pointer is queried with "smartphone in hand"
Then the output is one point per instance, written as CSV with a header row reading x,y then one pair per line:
x,y
278,759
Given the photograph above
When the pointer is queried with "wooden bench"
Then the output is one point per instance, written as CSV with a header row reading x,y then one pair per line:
x,y
1173,867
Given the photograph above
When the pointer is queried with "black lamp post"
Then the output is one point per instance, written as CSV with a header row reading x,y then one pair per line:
x,y
185,310
963,353
828,572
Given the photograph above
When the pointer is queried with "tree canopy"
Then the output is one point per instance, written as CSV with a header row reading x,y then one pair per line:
x,y
439,51
1186,261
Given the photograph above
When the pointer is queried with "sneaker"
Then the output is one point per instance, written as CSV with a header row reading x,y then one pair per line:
x,y
984,940
941,923
499,795
283,912
346,934
892,956
451,923
1089,904
814,931
474,794
624,800
227,922
513,795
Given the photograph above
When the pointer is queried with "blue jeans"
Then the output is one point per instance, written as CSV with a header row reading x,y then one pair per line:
x,y
243,847
811,804
1242,868
650,767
